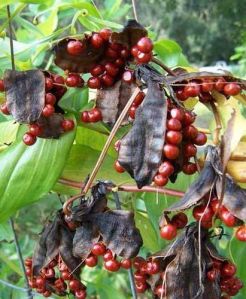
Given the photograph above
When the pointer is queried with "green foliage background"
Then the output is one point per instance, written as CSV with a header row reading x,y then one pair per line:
x,y
38,25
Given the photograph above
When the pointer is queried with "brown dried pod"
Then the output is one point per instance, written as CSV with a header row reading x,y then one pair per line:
x,y
184,269
25,94
81,63
116,228
141,148
51,126
111,101
130,34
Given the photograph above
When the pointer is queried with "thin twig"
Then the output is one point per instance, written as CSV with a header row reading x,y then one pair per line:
x,y
162,65
11,39
216,138
104,150
130,272
134,10
28,289
126,188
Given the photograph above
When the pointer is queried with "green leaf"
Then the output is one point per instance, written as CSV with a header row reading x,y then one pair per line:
x,y
48,26
8,130
5,232
170,52
147,231
80,163
75,99
6,260
28,173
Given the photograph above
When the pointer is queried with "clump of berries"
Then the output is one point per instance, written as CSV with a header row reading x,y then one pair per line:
x,y
203,89
224,272
181,140
169,227
55,278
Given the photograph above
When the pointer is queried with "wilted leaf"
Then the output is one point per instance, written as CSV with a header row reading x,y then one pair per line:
x,y
25,94
141,149
51,126
130,35
111,101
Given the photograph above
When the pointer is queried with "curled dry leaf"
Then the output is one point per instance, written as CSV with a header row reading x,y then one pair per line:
x,y
210,179
130,34
111,101
51,126
179,263
81,63
140,150
25,94
115,228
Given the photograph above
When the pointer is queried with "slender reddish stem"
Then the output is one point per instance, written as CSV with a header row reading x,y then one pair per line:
x,y
125,188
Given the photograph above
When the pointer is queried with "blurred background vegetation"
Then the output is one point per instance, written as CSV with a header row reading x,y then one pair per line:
x,y
199,33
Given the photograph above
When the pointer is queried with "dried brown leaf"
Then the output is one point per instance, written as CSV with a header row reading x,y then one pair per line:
x,y
51,126
25,94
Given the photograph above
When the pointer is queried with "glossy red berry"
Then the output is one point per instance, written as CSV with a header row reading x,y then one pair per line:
x,y
74,80
119,62
228,270
111,53
48,84
219,84
171,151
143,57
189,150
74,285
179,220
4,109
145,45
47,294
116,46
181,95
1,85
91,261
40,282
48,110
138,261
189,168
50,99
97,70
107,80
160,180
49,273
141,287
98,249
241,233
28,262
132,112
140,277
112,265
232,89
166,169
94,83
204,212
124,53
85,116
118,167
105,33
168,231
192,89
134,51
94,115
177,114
67,125
152,267
96,40
227,217
75,47
139,98
190,132
174,124
127,76
80,294
200,139
173,137
58,79
207,85
213,274
126,264
29,139
66,275
35,129
188,118
111,69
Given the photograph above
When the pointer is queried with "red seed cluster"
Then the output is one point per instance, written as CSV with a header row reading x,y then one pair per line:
x,y
110,262
224,272
168,230
55,278
203,88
